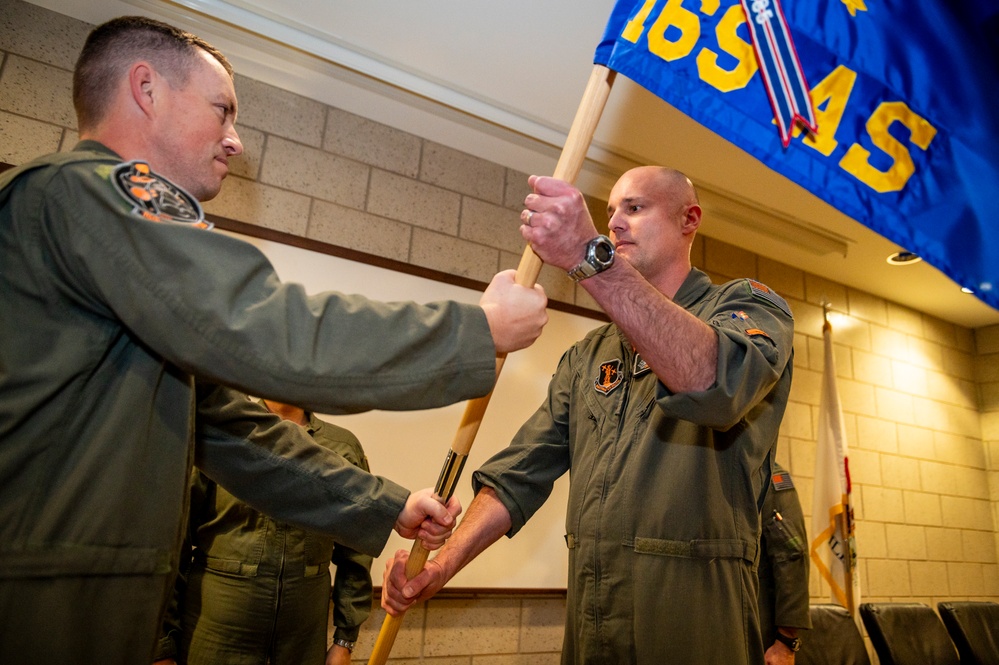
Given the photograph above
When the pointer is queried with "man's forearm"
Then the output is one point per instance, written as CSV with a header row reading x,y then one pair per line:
x,y
681,349
485,522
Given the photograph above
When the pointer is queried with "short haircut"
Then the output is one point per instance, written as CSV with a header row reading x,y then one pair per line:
x,y
112,47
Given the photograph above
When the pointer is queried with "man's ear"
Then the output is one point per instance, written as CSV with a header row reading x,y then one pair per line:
x,y
691,219
142,84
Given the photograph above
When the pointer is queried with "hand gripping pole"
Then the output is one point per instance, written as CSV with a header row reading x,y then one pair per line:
x,y
569,165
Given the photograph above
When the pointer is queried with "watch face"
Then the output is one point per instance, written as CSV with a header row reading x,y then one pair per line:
x,y
602,252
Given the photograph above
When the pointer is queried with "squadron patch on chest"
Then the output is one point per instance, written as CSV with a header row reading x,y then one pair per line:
x,y
155,198
609,376
641,367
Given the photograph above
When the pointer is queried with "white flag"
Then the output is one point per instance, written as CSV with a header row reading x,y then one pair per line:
x,y
833,546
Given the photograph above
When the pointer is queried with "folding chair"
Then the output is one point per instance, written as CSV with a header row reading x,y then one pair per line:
x,y
908,634
974,627
833,640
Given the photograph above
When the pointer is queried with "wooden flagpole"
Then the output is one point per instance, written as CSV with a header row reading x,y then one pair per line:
x,y
569,165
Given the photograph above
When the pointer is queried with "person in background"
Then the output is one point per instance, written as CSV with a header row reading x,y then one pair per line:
x,y
784,601
665,418
253,590
121,319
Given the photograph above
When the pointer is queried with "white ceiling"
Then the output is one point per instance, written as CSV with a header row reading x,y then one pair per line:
x,y
502,80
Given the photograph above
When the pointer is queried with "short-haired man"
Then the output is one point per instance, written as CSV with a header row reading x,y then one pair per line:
x,y
122,317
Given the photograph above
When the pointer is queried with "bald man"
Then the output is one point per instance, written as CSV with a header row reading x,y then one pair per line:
x,y
668,419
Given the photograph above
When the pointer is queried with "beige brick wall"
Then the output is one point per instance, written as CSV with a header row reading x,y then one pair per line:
x,y
921,396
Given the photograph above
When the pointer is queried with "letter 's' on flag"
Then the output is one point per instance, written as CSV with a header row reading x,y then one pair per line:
x,y
833,543
908,131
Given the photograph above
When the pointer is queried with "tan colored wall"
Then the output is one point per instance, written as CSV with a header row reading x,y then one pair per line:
x,y
921,396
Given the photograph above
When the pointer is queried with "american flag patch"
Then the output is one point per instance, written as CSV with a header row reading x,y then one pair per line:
x,y
782,481
763,292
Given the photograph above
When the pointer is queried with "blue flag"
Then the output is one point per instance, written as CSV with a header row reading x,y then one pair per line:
x,y
908,132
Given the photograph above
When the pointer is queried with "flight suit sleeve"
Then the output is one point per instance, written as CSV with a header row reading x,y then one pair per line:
x,y
755,344
352,590
784,531
214,306
276,468
524,473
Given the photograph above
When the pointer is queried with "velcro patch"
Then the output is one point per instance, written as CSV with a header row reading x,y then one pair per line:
x,y
782,481
609,376
756,331
155,198
763,292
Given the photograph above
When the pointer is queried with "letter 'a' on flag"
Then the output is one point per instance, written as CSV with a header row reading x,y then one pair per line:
x,y
907,139
833,542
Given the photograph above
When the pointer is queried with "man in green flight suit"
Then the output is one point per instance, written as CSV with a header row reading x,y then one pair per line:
x,y
121,317
254,590
667,419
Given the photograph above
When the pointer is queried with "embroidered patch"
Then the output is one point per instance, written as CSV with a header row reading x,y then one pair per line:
x,y
782,481
609,376
155,198
740,315
763,292
640,367
757,331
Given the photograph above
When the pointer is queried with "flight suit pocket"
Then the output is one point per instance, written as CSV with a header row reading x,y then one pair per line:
x,y
783,541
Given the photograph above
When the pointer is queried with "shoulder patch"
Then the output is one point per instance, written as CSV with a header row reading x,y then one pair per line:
x,y
782,480
761,291
155,198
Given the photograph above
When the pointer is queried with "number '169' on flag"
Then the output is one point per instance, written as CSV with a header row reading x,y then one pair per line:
x,y
907,139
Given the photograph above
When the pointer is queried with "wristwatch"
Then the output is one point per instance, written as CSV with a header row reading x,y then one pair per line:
x,y
599,257
349,646
792,643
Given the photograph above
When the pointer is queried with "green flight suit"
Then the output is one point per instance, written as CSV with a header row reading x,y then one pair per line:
x,y
783,560
110,306
665,489
258,590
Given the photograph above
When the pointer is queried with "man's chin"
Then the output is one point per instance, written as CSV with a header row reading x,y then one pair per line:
x,y
208,190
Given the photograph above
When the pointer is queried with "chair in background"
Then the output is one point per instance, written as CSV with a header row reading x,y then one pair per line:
x,y
908,634
833,640
974,627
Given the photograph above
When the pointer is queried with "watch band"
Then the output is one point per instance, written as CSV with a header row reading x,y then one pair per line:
x,y
792,643
582,271
349,646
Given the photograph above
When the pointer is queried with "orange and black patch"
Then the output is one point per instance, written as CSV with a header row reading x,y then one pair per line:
x,y
609,376
155,198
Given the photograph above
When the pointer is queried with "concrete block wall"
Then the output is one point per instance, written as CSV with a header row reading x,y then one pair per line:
x,y
921,395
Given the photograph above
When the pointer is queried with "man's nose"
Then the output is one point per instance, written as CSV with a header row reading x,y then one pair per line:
x,y
233,146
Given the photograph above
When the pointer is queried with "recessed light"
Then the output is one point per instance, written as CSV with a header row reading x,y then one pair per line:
x,y
904,258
